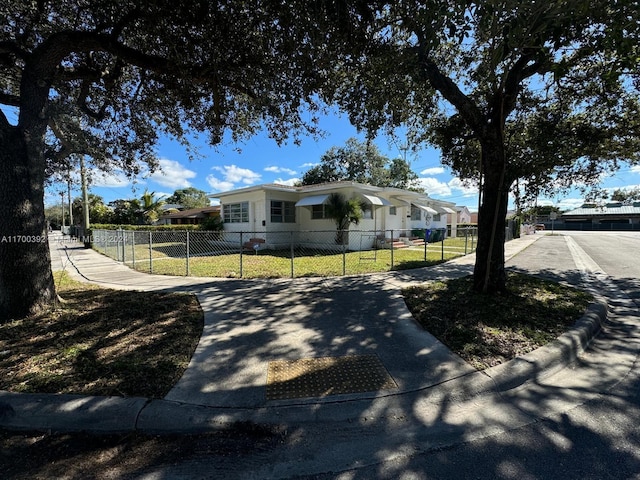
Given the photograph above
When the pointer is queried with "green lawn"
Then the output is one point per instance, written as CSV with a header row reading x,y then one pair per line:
x,y
211,260
273,264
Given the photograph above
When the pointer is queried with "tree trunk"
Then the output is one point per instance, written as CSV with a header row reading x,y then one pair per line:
x,y
26,280
489,274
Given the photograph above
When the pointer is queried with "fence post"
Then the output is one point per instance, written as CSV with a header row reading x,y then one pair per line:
x,y
291,245
187,252
150,252
133,249
425,244
466,239
344,256
391,249
241,249
442,246
124,255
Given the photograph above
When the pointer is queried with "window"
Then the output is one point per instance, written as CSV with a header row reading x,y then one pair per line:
x,y
392,210
318,212
436,217
367,211
236,212
416,213
283,212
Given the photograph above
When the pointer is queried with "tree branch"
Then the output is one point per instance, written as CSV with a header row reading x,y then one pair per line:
x,y
468,110
8,99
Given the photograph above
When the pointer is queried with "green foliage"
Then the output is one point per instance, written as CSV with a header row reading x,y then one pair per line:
x,y
343,212
98,211
363,163
145,228
125,212
189,197
629,195
150,207
545,92
213,224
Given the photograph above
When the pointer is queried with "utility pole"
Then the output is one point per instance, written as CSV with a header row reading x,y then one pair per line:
x,y
62,203
85,204
69,199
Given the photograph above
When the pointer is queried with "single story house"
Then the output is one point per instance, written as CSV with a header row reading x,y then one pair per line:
x,y
463,215
192,216
270,211
624,216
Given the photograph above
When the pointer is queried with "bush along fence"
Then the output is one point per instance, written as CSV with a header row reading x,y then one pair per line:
x,y
281,254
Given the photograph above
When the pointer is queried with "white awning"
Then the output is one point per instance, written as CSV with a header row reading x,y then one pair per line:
x,y
379,201
426,209
444,209
313,200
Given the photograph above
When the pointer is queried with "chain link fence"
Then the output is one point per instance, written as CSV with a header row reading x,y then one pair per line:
x,y
281,254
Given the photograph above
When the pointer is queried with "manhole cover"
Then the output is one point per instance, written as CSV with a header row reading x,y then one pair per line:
x,y
319,377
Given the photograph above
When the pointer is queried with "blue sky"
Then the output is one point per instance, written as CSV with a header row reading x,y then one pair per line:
x,y
261,160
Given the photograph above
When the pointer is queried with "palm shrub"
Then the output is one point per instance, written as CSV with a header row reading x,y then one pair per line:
x,y
344,212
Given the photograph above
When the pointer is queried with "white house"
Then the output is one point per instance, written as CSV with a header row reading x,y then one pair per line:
x,y
268,210
463,215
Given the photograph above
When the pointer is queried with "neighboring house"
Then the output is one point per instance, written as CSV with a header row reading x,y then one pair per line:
x,y
268,210
463,216
610,214
193,216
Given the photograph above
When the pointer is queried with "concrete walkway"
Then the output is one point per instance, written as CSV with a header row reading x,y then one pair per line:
x,y
249,323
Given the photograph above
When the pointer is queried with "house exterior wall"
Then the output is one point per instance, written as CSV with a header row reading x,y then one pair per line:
x,y
256,201
308,230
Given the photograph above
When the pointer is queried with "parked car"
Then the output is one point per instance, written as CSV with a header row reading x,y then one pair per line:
x,y
539,226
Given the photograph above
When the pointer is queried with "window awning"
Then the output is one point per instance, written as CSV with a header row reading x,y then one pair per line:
x,y
444,209
426,209
313,200
379,201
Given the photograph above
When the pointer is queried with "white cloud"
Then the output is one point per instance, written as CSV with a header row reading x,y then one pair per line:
x,y
233,174
172,174
113,179
569,203
432,171
467,190
308,165
291,182
453,188
635,169
275,169
219,185
434,186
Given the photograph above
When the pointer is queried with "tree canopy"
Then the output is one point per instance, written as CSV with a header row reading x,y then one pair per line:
x,y
105,78
189,197
361,162
510,90
544,92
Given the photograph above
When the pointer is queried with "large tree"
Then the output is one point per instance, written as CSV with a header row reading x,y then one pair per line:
x,y
539,91
189,197
104,77
361,162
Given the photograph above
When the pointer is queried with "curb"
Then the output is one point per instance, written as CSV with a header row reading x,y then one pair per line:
x,y
102,415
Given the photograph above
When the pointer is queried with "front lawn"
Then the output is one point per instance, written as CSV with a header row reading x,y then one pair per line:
x,y
489,330
102,342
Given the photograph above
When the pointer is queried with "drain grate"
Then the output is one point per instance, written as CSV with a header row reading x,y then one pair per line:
x,y
319,377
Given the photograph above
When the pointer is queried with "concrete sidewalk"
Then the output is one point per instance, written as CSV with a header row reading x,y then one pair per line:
x,y
249,323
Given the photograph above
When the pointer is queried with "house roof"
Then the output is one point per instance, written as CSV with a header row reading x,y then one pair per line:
x,y
614,208
370,193
193,212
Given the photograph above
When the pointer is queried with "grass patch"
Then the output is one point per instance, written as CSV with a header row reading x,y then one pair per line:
x,y
277,263
101,342
487,330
